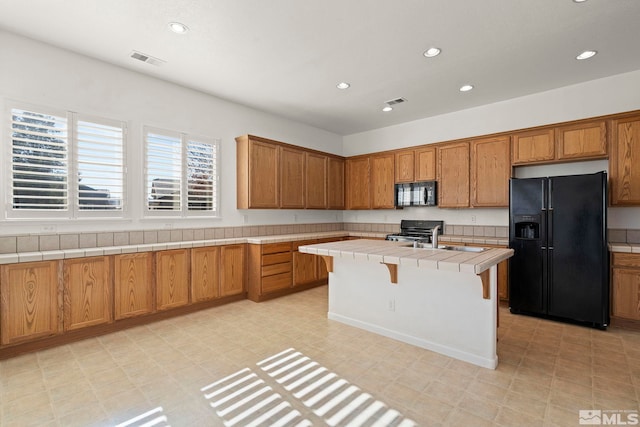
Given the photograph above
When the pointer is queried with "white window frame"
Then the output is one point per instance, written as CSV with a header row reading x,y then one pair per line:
x,y
183,210
73,182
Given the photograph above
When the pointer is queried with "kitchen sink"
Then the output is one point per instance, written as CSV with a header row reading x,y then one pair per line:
x,y
446,247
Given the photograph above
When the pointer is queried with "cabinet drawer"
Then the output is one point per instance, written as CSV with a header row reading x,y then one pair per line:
x,y
277,282
626,260
276,258
273,248
270,270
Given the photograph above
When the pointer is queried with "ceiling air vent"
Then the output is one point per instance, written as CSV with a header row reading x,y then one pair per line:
x,y
147,58
396,101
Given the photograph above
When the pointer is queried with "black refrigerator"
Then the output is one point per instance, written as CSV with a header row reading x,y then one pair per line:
x,y
558,231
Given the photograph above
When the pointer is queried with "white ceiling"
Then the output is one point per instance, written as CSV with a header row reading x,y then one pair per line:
x,y
286,56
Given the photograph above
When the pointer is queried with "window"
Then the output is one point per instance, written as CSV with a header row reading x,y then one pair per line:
x,y
181,174
65,165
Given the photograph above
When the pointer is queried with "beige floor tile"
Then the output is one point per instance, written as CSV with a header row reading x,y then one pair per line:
x,y
482,408
510,417
462,418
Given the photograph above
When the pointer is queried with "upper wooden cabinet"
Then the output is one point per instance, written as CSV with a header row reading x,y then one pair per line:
x,y
335,183
405,166
624,163
425,169
490,172
29,305
582,140
382,181
133,285
258,173
292,174
87,292
453,175
533,146
358,184
316,181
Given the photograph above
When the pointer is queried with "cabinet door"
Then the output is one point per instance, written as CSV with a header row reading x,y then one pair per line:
x,y
358,187
382,181
316,181
205,273
172,278
425,169
133,285
624,163
264,185
453,175
291,178
29,305
87,292
626,293
490,172
305,268
231,270
405,164
533,146
582,140
335,183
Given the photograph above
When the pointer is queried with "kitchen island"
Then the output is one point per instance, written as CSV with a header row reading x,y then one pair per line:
x,y
444,300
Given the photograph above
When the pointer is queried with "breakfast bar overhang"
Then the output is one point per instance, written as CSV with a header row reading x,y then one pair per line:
x,y
442,300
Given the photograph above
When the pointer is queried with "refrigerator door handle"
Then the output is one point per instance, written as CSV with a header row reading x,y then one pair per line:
x,y
542,207
550,205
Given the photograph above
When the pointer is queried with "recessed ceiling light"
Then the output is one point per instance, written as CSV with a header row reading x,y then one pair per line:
x,y
431,52
586,54
178,27
466,88
579,1
387,108
343,85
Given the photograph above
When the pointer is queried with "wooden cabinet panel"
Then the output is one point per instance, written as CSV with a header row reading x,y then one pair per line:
x,y
626,293
533,146
205,273
257,169
305,268
624,163
582,140
87,292
232,267
453,175
133,285
29,301
335,183
490,172
172,278
382,181
358,184
425,169
292,188
316,181
405,164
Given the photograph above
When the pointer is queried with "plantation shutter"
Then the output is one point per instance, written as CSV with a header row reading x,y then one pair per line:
x,y
201,176
163,171
100,163
39,161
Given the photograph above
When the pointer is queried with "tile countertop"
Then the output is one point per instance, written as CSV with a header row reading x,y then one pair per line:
x,y
398,253
625,247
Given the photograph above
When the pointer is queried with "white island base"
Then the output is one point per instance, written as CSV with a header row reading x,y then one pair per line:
x,y
439,310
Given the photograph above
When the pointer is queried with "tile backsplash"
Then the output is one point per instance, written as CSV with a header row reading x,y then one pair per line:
x,y
52,242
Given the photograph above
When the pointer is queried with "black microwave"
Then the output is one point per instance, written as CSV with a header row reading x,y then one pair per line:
x,y
416,194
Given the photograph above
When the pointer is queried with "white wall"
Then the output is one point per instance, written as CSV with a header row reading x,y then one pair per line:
x,y
598,97
43,75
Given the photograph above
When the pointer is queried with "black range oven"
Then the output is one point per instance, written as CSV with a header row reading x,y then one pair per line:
x,y
412,230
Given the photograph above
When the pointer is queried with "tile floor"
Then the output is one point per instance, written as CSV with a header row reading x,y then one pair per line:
x,y
547,373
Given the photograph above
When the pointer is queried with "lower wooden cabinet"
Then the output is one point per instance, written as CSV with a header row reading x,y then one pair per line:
x,y
205,273
87,292
29,301
133,285
172,278
305,266
232,270
625,286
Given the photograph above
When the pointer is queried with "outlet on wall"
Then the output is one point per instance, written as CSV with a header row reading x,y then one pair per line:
x,y
392,305
473,219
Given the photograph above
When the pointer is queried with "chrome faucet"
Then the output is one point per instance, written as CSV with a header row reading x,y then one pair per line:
x,y
434,237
